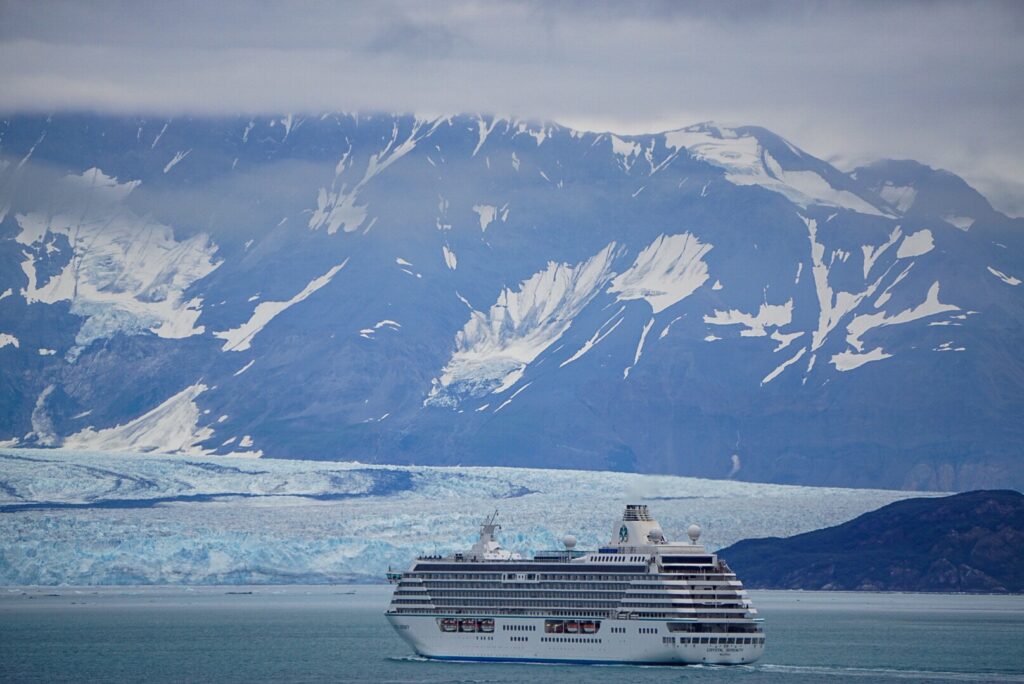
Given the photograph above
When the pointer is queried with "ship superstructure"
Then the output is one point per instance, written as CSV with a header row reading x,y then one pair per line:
x,y
640,599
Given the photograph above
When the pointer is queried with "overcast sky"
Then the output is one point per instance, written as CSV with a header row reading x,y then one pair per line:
x,y
942,83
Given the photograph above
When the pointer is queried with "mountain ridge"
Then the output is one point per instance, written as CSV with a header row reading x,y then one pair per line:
x,y
492,291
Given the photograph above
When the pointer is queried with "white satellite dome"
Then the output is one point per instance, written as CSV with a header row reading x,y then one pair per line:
x,y
569,541
656,535
693,531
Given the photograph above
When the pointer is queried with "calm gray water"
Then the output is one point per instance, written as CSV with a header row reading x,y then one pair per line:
x,y
330,634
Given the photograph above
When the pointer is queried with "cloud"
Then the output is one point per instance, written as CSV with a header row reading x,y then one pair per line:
x,y
937,82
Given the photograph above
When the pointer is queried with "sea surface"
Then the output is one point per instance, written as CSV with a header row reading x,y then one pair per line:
x,y
339,634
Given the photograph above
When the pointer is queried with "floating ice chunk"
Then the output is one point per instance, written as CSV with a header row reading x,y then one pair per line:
x,y
245,442
402,262
46,352
1008,279
7,339
240,338
8,292
916,244
171,427
665,272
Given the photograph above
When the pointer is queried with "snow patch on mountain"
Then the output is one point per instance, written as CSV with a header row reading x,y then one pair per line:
x,y
849,360
665,272
604,331
244,368
494,347
901,197
336,207
964,223
240,338
450,260
767,316
916,244
783,366
746,162
626,151
486,213
1008,279
171,427
832,306
126,273
872,253
639,349
369,333
176,159
863,323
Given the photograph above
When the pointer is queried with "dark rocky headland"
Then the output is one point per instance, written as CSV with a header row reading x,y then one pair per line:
x,y
970,542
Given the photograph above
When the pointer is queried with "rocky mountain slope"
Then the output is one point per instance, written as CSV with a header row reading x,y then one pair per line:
x,y
966,542
708,301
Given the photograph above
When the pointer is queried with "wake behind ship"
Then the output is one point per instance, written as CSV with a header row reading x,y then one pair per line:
x,y
641,600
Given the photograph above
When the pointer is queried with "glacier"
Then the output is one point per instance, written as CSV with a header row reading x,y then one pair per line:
x,y
95,518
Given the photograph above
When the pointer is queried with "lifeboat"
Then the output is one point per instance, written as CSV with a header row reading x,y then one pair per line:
x,y
487,625
449,625
588,627
572,627
467,625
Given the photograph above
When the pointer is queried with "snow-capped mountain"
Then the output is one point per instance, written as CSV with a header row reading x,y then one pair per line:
x,y
708,301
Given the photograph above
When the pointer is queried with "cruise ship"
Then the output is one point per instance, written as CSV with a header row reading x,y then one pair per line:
x,y
638,600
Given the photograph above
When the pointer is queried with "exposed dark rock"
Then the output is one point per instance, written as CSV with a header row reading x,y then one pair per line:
x,y
971,542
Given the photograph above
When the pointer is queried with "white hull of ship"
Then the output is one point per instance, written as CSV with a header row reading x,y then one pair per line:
x,y
631,645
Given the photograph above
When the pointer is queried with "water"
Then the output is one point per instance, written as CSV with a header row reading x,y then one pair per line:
x,y
328,634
